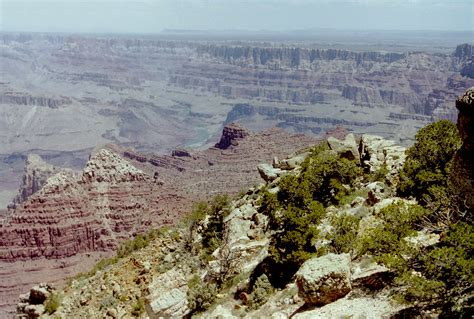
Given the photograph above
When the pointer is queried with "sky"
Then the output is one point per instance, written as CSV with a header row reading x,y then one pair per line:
x,y
153,16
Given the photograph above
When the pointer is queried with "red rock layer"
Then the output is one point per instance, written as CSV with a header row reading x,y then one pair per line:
x,y
116,197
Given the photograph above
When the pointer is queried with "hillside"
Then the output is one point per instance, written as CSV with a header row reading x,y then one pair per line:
x,y
356,227
65,220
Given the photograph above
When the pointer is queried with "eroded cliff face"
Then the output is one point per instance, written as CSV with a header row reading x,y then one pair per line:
x,y
410,80
462,175
35,175
77,217
157,94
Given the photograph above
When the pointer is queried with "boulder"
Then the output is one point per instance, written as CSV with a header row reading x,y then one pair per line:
x,y
322,280
268,173
39,293
293,162
347,148
369,274
34,311
168,295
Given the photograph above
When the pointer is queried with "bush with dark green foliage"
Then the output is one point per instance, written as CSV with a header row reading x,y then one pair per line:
x,y
344,233
452,264
212,235
327,177
294,240
260,292
296,210
201,295
385,239
428,163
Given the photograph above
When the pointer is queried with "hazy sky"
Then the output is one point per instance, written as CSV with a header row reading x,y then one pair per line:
x,y
151,16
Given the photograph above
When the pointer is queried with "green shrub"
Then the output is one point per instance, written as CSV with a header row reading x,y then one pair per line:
x,y
269,206
139,241
294,240
325,175
52,303
417,288
212,234
426,169
260,292
200,295
138,307
452,264
344,233
385,239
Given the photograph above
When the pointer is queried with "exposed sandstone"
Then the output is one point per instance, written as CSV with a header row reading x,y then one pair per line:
x,y
168,295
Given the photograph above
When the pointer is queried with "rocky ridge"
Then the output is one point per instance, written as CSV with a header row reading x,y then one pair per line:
x,y
119,193
35,175
159,274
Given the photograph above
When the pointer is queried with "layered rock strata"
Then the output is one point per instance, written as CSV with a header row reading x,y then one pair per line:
x,y
77,217
35,175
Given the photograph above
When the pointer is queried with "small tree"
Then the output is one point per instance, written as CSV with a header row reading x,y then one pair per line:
x,y
427,167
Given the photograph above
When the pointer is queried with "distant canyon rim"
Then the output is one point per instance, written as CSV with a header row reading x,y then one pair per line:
x,y
62,95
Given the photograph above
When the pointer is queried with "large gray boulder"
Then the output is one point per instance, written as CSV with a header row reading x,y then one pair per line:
x,y
168,295
347,148
268,172
322,280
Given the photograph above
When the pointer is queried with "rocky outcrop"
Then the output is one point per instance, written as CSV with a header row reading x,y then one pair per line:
x,y
230,136
106,166
180,152
267,172
76,217
462,171
168,296
346,148
31,304
34,177
325,279
381,155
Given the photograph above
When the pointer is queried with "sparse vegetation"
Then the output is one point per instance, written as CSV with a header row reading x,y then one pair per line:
x,y
260,292
435,276
298,207
201,295
52,303
138,307
344,234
